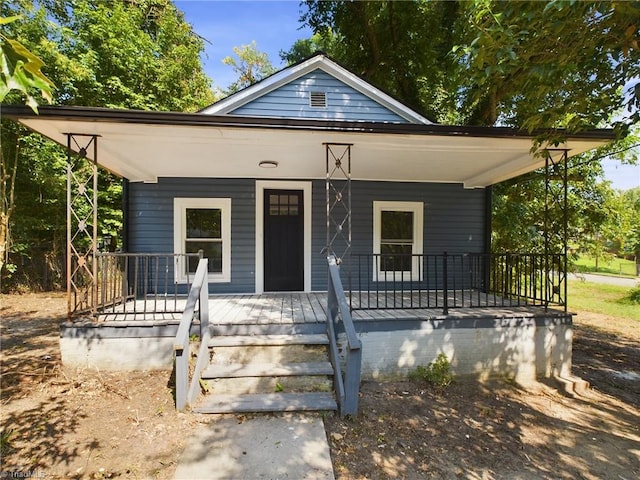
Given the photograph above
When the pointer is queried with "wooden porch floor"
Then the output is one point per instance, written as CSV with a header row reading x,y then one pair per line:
x,y
298,307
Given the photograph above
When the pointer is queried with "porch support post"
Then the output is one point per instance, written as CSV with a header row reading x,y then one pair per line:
x,y
556,232
338,198
82,223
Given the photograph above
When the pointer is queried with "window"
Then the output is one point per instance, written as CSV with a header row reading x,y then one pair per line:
x,y
203,224
397,234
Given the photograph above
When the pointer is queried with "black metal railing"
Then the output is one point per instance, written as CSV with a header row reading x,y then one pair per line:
x,y
143,282
461,280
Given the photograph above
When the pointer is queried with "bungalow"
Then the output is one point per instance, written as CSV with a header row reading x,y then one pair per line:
x,y
317,203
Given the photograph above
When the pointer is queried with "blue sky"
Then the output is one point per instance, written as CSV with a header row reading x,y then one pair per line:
x,y
272,24
275,26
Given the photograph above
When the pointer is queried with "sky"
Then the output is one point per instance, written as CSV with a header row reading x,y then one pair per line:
x,y
275,26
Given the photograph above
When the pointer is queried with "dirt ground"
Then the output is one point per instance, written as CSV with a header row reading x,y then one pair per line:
x,y
60,423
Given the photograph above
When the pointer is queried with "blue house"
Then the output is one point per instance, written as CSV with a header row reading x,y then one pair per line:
x,y
308,168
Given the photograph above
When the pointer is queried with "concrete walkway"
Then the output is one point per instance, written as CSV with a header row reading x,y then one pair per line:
x,y
267,448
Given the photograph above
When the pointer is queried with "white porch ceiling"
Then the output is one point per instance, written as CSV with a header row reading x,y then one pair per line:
x,y
145,150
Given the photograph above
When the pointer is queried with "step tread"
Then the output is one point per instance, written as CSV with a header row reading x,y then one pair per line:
x,y
268,340
237,370
269,402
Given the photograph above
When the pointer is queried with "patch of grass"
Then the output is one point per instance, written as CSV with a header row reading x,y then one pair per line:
x,y
437,372
6,437
612,300
611,265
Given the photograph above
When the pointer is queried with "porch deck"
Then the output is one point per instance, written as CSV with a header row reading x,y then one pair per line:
x,y
309,308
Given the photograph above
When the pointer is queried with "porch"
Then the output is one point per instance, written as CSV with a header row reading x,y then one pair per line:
x,y
305,310
482,334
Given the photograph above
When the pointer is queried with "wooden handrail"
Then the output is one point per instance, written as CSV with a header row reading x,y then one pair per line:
x,y
347,387
186,390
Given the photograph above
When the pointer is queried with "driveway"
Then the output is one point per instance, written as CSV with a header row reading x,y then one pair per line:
x,y
607,279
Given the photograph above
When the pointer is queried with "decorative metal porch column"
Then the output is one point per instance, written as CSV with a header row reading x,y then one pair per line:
x,y
82,223
555,226
338,194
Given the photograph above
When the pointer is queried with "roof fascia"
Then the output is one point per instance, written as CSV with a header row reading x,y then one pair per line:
x,y
287,75
98,114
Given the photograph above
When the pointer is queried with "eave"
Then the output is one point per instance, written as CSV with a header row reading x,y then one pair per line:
x,y
144,145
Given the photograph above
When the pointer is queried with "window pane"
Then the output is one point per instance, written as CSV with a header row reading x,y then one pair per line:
x,y
204,223
397,227
212,251
395,257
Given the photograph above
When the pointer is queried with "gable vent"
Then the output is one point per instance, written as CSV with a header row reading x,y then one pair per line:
x,y
317,99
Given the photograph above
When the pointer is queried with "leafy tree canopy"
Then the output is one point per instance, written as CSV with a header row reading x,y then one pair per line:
x,y
21,70
250,64
118,53
523,64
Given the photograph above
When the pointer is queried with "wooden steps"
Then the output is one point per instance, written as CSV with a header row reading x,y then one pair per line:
x,y
239,370
273,402
266,340
267,373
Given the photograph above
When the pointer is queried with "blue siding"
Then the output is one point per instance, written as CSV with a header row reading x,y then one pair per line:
x,y
151,221
343,102
453,220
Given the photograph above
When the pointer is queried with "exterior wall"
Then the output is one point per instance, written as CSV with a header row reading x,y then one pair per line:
x,y
343,102
151,221
523,348
453,220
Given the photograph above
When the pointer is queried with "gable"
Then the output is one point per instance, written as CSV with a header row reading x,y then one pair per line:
x,y
286,94
297,99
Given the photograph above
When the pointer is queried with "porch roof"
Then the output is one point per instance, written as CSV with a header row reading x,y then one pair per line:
x,y
144,146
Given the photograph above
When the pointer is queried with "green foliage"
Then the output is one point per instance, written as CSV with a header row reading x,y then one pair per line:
x,y
250,64
524,64
6,439
118,54
551,64
436,373
387,44
610,265
632,297
630,223
21,70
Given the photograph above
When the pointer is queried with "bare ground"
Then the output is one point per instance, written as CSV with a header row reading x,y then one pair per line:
x,y
57,423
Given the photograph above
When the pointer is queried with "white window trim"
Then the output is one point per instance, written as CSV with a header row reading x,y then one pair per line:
x,y
180,206
261,186
418,237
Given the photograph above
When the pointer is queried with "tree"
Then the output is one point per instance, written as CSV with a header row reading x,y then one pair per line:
x,y
250,65
526,65
630,243
120,54
21,70
400,47
326,42
551,64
